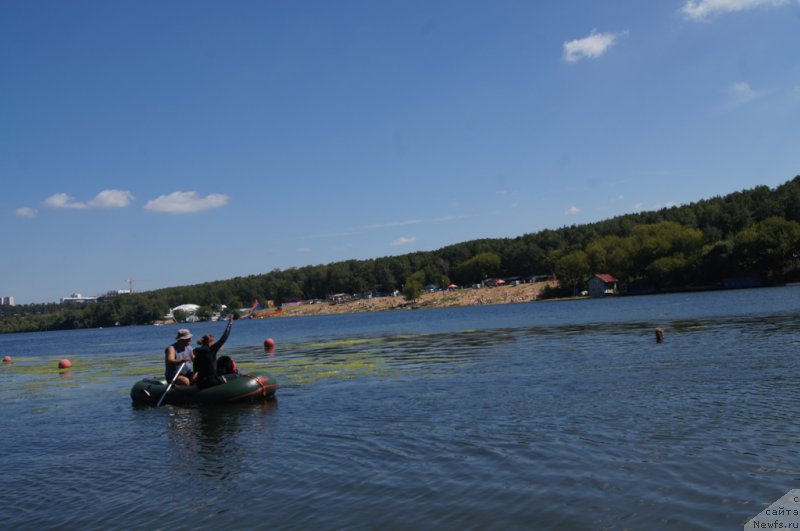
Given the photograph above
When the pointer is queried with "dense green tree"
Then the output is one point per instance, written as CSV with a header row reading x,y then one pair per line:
x,y
413,287
666,239
481,266
573,270
769,247
204,312
716,262
668,271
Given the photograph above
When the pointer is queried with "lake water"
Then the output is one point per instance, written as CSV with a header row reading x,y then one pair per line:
x,y
546,415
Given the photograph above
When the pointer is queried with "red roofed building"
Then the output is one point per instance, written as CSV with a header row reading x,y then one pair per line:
x,y
601,285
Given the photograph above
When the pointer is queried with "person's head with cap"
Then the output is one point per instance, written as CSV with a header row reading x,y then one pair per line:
x,y
184,335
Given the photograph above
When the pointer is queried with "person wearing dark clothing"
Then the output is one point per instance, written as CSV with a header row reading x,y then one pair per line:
x,y
205,358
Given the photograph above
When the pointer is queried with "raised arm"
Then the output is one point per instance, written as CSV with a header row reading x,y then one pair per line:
x,y
225,334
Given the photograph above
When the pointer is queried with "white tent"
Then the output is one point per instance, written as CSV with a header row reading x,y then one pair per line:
x,y
190,308
186,308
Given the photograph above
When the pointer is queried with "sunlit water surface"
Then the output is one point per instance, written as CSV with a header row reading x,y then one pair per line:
x,y
549,415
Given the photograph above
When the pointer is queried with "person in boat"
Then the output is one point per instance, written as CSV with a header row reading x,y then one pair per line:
x,y
177,357
205,358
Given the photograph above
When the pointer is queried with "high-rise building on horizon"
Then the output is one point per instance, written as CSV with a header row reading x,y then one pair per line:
x,y
7,300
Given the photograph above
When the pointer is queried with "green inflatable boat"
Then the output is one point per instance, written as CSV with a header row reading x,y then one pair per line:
x,y
237,388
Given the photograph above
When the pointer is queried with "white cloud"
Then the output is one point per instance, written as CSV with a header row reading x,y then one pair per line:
x,y
105,199
411,222
112,199
571,211
404,241
740,94
702,10
591,47
390,224
186,203
26,212
394,224
62,200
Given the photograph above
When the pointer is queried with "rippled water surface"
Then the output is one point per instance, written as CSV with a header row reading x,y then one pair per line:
x,y
549,415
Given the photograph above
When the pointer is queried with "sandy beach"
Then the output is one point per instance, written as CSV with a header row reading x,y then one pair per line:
x,y
437,299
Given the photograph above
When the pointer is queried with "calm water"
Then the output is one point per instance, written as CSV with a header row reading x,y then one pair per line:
x,y
550,415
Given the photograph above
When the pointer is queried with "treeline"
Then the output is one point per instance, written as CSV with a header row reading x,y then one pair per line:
x,y
753,233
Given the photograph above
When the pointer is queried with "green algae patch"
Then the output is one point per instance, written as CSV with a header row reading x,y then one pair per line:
x,y
85,369
42,369
343,343
307,371
33,386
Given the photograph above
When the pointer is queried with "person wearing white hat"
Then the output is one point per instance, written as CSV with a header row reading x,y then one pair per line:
x,y
177,356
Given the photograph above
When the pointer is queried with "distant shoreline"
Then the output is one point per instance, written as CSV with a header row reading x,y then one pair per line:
x,y
437,299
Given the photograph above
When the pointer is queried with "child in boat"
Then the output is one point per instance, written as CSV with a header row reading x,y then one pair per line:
x,y
205,358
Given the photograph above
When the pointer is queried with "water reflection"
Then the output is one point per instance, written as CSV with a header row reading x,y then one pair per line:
x,y
208,440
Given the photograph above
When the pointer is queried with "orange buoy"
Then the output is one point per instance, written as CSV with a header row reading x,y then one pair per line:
x,y
64,364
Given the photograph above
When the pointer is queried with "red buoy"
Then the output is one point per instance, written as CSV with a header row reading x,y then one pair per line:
x,y
269,343
6,358
64,364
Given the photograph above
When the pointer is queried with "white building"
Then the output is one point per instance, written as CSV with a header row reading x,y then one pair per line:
x,y
190,309
7,300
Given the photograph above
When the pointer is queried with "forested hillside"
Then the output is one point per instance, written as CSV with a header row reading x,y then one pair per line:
x,y
753,233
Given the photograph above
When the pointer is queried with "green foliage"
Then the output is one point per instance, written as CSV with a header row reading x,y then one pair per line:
x,y
204,313
573,270
769,247
481,266
665,239
413,287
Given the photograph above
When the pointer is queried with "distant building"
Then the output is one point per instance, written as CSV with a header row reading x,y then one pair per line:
x,y
77,298
189,309
601,285
113,293
7,300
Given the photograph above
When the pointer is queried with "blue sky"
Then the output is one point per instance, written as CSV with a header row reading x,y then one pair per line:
x,y
179,142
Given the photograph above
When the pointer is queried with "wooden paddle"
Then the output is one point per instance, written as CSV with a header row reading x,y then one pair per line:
x,y
170,384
